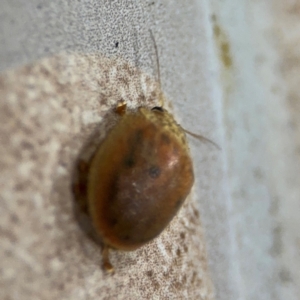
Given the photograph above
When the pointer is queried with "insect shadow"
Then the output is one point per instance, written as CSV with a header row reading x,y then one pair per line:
x,y
80,175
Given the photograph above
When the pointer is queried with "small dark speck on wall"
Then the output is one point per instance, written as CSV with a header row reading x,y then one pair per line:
x,y
116,44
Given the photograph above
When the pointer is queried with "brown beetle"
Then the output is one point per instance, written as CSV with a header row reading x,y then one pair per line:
x,y
138,178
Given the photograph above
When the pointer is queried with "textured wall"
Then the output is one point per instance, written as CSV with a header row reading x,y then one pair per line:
x,y
63,68
229,70
258,48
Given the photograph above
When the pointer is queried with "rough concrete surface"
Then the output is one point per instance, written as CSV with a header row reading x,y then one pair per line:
x,y
64,66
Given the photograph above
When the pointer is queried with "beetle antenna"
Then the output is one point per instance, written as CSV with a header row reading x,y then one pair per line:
x,y
156,54
160,97
202,138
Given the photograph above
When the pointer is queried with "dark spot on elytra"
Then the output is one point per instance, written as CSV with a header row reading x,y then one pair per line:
x,y
135,140
154,172
129,161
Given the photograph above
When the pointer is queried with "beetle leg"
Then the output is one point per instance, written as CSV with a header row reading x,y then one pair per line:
x,y
106,264
121,108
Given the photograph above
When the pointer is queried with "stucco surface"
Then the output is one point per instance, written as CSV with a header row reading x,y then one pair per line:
x,y
63,68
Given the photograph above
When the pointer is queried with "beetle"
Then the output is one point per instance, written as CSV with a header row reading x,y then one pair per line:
x,y
138,177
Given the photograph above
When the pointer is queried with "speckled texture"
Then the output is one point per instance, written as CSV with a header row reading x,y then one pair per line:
x,y
48,111
39,29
